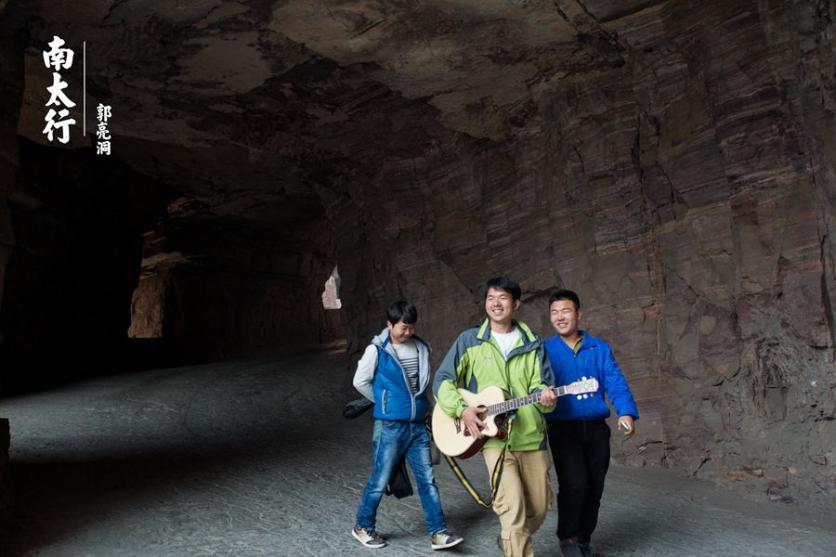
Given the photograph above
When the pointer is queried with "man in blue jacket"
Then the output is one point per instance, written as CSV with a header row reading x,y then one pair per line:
x,y
394,373
579,436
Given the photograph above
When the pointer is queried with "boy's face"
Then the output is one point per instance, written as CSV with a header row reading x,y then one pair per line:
x,y
400,331
500,305
564,317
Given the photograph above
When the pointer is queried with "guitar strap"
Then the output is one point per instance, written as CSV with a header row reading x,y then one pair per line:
x,y
496,475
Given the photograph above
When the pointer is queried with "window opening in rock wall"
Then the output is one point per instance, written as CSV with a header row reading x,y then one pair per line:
x,y
331,294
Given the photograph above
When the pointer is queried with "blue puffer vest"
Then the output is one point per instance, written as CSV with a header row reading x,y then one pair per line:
x,y
392,399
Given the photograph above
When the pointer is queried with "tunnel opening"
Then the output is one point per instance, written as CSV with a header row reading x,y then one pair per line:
x,y
332,331
331,291
213,287
77,251
113,270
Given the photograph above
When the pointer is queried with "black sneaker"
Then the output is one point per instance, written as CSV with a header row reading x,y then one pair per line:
x,y
571,548
445,539
369,538
587,549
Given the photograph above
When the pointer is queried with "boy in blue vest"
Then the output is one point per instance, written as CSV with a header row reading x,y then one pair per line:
x,y
394,373
579,436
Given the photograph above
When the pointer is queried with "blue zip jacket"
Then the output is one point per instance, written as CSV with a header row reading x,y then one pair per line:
x,y
594,359
392,398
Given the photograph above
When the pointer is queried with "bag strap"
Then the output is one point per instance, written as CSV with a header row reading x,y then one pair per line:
x,y
496,475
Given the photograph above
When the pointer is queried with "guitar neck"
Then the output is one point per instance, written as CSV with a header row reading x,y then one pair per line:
x,y
515,403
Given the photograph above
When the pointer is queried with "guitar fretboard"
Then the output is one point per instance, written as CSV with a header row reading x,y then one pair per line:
x,y
515,403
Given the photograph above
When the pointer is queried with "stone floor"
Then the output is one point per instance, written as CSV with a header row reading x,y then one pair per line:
x,y
254,458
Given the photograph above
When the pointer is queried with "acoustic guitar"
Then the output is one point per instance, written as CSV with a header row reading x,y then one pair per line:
x,y
451,436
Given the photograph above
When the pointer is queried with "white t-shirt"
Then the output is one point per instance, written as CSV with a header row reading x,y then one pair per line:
x,y
506,341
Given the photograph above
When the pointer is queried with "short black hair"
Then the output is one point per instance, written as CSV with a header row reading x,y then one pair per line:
x,y
506,284
565,295
402,311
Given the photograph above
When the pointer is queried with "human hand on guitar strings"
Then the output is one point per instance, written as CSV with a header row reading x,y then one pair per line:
x,y
548,397
471,421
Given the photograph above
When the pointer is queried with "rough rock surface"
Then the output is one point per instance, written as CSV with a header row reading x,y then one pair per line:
x,y
671,161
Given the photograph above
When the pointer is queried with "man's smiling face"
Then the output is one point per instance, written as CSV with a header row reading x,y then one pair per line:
x,y
500,305
564,317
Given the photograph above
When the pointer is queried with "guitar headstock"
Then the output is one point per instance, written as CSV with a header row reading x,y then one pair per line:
x,y
582,387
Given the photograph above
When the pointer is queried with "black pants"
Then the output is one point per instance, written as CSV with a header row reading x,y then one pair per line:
x,y
581,452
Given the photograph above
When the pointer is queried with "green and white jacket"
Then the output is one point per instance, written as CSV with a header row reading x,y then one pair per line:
x,y
475,361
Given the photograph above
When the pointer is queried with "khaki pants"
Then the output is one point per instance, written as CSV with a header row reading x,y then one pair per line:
x,y
523,498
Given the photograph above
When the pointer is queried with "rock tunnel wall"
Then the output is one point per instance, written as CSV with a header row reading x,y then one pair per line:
x,y
685,188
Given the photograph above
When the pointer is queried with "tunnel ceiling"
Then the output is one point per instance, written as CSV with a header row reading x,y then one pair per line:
x,y
238,103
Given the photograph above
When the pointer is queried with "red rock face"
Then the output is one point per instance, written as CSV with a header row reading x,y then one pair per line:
x,y
687,195
673,162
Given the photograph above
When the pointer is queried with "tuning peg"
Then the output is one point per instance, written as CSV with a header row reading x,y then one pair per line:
x,y
586,396
580,397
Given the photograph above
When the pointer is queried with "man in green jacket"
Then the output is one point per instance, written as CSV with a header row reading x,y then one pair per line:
x,y
505,353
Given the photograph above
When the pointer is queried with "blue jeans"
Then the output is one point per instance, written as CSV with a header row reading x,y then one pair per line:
x,y
390,441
